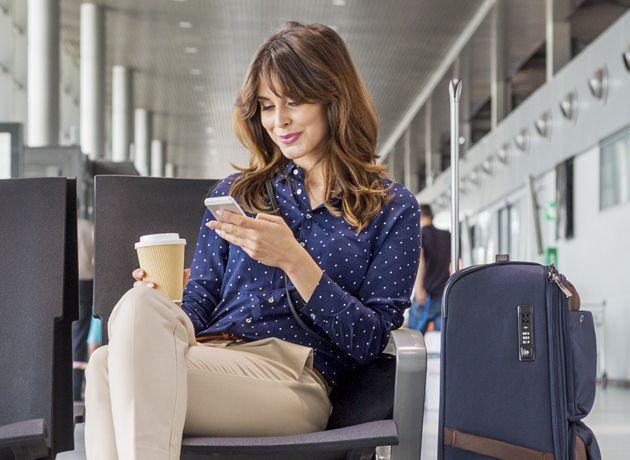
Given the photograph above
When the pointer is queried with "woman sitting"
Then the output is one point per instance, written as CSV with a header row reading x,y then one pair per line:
x,y
239,357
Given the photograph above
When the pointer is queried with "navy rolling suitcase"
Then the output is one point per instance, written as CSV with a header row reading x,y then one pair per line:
x,y
518,362
518,366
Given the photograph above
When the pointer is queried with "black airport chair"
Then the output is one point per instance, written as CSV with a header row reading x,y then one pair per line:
x,y
38,302
379,405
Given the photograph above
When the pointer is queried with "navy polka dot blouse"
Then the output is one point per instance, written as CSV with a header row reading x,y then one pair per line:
x,y
360,298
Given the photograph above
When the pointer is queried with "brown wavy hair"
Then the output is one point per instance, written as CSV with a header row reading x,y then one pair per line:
x,y
310,63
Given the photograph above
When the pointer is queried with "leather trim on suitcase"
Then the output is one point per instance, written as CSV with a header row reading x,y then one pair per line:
x,y
491,447
580,449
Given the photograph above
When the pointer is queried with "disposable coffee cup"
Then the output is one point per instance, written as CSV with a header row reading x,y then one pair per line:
x,y
161,256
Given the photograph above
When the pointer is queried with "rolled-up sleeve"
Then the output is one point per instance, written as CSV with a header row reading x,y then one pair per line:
x,y
203,291
360,325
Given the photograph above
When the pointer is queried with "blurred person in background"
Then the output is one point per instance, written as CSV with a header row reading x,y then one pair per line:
x,y
434,271
95,337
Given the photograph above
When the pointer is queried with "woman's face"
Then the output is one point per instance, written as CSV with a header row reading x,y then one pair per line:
x,y
298,128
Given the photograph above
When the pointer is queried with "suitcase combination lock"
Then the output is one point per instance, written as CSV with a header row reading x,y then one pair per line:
x,y
526,351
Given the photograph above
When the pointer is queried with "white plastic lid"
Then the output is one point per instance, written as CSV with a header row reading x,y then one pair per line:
x,y
159,238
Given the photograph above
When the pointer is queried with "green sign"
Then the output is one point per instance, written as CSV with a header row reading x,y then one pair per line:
x,y
550,211
551,256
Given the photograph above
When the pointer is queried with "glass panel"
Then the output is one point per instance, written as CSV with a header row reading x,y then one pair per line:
x,y
5,155
515,232
504,222
486,237
614,174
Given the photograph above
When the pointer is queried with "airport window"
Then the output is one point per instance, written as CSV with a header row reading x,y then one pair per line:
x,y
5,155
516,244
478,250
564,200
505,229
614,170
485,238
10,150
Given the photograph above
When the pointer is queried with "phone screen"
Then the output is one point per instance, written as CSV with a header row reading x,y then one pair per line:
x,y
214,205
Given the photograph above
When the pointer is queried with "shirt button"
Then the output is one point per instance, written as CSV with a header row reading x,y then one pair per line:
x,y
299,191
270,300
308,215
302,243
248,320
295,172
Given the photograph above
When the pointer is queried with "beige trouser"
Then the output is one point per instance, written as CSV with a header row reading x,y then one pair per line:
x,y
154,382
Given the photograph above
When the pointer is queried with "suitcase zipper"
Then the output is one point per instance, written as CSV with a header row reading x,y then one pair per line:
x,y
560,280
554,365
465,271
558,323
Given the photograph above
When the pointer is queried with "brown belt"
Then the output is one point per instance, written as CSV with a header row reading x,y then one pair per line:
x,y
221,337
491,447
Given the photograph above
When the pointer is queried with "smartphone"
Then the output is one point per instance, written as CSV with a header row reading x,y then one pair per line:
x,y
222,202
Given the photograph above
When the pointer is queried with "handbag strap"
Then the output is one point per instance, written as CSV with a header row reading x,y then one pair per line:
x,y
294,312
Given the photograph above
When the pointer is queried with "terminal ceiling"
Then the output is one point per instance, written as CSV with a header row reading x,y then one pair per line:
x,y
189,58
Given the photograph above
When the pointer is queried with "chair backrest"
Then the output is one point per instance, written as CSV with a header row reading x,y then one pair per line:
x,y
38,302
127,207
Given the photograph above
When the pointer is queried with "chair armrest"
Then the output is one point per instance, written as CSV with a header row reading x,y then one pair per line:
x,y
26,439
322,444
411,374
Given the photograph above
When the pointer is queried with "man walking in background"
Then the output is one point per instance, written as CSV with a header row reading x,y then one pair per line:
x,y
433,273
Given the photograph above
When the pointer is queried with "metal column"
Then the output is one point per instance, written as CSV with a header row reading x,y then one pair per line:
x,y
142,141
92,80
170,170
432,156
391,163
499,78
157,158
122,113
558,35
43,73
407,160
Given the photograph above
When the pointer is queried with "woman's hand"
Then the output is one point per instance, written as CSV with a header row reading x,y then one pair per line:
x,y
421,296
139,274
267,238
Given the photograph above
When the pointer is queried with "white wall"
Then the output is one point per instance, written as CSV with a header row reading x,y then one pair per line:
x,y
596,260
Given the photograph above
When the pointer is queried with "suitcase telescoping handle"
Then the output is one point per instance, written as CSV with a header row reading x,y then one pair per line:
x,y
455,91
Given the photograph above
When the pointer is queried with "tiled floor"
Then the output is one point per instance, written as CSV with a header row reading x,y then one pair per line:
x,y
609,420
